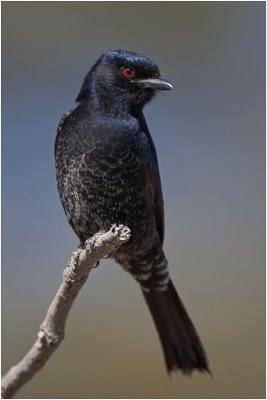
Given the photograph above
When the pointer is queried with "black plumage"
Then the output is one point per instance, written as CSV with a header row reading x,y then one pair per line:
x,y
107,172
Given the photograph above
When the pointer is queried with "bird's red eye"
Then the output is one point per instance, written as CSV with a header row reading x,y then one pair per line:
x,y
128,72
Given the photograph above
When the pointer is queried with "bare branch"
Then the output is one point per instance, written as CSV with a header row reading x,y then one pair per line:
x,y
52,328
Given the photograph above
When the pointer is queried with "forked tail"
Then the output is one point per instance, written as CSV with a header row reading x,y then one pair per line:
x,y
181,344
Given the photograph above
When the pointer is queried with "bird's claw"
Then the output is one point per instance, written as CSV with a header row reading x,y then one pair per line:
x,y
96,264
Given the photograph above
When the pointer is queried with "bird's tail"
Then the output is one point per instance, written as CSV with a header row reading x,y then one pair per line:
x,y
181,344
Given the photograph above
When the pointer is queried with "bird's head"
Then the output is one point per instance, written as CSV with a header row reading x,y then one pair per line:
x,y
124,78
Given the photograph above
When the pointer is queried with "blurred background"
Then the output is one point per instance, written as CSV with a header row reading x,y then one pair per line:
x,y
210,137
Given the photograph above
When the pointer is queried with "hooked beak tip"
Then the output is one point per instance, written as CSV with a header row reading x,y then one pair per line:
x,y
155,84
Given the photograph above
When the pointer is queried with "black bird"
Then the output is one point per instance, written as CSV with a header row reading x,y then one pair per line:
x,y
107,172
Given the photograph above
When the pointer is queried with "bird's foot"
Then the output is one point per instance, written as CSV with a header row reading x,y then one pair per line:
x,y
96,264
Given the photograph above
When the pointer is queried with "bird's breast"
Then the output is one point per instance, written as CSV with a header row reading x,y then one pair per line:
x,y
102,178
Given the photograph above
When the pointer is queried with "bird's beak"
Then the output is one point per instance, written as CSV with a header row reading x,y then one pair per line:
x,y
155,84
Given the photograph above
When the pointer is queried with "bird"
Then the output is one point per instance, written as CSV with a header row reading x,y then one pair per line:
x,y
107,173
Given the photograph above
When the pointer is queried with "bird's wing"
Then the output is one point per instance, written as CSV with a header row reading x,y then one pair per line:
x,y
153,181
155,191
